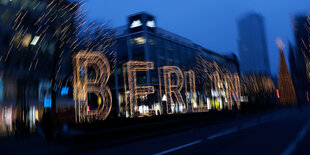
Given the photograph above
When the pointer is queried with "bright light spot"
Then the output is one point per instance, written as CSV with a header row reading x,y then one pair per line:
x,y
164,98
35,40
64,91
150,24
26,40
136,23
37,114
244,98
143,109
47,103
99,100
140,40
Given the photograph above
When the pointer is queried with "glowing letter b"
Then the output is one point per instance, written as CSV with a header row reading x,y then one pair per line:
x,y
93,81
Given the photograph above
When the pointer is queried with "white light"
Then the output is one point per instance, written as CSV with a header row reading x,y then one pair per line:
x,y
135,23
208,103
150,23
164,98
35,40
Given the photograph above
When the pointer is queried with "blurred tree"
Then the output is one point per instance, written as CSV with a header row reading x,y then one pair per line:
x,y
286,88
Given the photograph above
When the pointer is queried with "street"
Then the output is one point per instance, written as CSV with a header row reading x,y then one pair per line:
x,y
283,132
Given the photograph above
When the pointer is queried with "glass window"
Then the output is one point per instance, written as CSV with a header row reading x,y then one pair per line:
x,y
137,41
122,45
138,54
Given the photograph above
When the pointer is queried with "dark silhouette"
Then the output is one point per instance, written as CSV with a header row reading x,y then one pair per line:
x,y
47,125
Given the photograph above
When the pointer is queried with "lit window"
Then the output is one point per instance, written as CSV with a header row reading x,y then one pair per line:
x,y
140,40
35,40
26,40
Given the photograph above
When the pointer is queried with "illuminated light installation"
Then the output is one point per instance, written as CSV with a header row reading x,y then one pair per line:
x,y
234,90
172,86
227,86
98,85
286,86
191,96
131,68
55,24
256,84
217,86
218,82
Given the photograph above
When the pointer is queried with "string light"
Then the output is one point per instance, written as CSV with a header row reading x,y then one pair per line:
x,y
172,86
190,80
131,68
98,85
286,87
222,83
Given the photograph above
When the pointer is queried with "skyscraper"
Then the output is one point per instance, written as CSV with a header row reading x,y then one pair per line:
x,y
252,45
301,57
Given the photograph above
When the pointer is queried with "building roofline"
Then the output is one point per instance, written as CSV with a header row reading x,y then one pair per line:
x,y
138,13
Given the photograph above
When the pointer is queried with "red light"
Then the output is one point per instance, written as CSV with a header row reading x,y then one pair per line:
x,y
87,108
308,95
278,93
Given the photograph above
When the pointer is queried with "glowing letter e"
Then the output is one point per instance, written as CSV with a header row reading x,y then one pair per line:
x,y
94,82
134,91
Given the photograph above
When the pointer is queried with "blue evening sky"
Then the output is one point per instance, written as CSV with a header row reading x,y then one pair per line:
x,y
210,23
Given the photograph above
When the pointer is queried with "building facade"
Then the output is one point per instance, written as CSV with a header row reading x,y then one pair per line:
x,y
142,40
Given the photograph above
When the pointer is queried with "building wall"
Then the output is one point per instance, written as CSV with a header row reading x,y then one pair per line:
x,y
164,49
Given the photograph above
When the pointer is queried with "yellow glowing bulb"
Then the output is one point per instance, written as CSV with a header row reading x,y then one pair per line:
x,y
99,100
